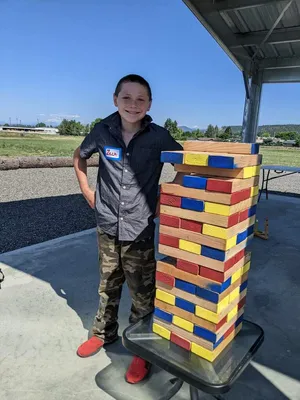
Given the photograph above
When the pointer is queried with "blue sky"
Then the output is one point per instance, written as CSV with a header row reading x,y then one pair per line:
x,y
65,58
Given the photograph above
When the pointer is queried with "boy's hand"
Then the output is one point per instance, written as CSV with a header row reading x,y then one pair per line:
x,y
89,195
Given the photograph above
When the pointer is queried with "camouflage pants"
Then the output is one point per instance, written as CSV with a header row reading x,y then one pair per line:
x,y
120,261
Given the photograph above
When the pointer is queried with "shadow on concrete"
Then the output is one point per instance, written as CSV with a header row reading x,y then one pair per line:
x,y
27,222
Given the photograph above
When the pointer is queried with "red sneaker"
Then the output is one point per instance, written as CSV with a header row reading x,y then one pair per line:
x,y
90,347
137,371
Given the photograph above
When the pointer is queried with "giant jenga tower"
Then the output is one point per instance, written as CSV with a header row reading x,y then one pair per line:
x,y
206,224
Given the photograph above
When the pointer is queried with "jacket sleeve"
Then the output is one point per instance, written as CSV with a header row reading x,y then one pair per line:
x,y
89,145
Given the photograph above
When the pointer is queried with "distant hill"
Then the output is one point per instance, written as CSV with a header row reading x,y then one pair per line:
x,y
272,129
185,128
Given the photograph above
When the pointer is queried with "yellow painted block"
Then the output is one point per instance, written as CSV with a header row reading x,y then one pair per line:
x,y
223,304
166,297
246,267
232,313
196,159
237,275
215,231
215,208
189,246
248,172
256,170
206,314
183,323
202,352
230,242
159,330
254,191
234,294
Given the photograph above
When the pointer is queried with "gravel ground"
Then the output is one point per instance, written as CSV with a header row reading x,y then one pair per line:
x,y
42,204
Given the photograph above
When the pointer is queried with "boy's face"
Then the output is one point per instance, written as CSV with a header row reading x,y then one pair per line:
x,y
133,102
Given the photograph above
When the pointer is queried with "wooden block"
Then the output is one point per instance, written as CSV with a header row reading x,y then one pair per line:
x,y
169,220
242,303
233,161
185,305
254,191
171,157
223,233
165,278
195,159
169,200
163,315
179,341
221,147
188,267
252,211
193,258
185,286
163,332
189,316
219,209
232,313
237,197
239,173
164,296
191,225
210,241
243,285
230,185
169,240
183,323
223,277
189,246
192,204
196,182
234,294
213,253
243,215
212,355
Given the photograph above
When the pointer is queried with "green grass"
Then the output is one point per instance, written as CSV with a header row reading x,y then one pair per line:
x,y
45,145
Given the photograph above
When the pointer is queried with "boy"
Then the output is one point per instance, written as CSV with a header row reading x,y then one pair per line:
x,y
125,201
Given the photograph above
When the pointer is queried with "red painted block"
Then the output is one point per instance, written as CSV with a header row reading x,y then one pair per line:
x,y
211,274
242,303
243,215
218,185
165,278
187,266
169,220
169,200
229,331
239,255
221,323
233,220
237,197
191,225
168,240
185,344
229,263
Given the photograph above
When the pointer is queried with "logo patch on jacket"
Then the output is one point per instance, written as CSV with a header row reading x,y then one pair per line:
x,y
113,153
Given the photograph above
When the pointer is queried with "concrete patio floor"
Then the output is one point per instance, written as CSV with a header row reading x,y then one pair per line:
x,y
49,298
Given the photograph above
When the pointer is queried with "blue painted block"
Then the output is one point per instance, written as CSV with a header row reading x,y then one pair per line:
x,y
195,182
221,162
239,320
219,342
243,286
185,305
173,158
252,211
192,204
250,230
205,334
185,286
163,315
213,253
220,287
242,236
207,295
255,148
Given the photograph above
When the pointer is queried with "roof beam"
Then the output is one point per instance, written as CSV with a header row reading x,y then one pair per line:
x,y
208,6
287,35
290,75
279,63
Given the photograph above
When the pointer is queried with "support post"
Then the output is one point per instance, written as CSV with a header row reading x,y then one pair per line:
x,y
251,109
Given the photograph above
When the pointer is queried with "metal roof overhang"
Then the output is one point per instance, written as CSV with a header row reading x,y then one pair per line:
x,y
258,35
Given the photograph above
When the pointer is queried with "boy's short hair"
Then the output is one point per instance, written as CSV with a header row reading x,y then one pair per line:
x,y
133,78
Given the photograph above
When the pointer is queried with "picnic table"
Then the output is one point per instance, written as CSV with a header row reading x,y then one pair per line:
x,y
280,170
214,378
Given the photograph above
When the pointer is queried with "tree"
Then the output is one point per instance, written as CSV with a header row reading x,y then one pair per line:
x,y
172,127
41,125
6,125
210,131
216,129
228,131
265,135
95,122
74,128
197,134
